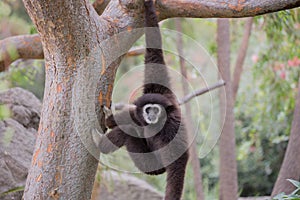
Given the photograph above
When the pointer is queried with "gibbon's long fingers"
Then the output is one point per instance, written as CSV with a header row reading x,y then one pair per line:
x,y
107,112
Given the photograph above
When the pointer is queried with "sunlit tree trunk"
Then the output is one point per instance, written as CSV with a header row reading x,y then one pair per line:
x,y
228,166
290,168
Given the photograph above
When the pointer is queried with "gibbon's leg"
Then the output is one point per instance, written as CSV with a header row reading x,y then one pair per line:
x,y
175,178
143,157
174,154
113,140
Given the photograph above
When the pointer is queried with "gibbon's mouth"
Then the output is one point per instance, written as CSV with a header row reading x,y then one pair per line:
x,y
151,120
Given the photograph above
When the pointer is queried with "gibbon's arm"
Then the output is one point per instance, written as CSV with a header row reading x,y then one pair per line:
x,y
156,74
114,139
125,117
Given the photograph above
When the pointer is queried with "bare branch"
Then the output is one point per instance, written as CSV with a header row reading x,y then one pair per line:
x,y
222,9
196,93
29,46
241,57
25,46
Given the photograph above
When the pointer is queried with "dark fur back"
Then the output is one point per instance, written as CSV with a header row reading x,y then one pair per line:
x,y
156,74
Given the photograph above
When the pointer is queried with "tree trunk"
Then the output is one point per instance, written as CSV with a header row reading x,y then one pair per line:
x,y
228,166
62,167
194,158
290,168
238,69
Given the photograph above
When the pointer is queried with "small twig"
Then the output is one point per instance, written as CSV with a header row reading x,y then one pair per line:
x,y
196,93
187,98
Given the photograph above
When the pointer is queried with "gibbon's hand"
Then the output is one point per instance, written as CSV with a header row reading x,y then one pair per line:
x,y
107,112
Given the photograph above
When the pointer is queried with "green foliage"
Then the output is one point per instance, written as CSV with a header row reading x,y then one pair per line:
x,y
295,195
265,105
28,75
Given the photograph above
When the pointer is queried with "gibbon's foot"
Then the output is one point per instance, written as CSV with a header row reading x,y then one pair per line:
x,y
107,112
96,137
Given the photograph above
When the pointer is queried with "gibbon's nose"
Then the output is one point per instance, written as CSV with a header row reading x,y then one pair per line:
x,y
152,117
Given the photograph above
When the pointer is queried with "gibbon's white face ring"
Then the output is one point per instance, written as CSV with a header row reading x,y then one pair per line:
x,y
151,113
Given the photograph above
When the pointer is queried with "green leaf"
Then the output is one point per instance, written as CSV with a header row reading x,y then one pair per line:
x,y
295,183
16,189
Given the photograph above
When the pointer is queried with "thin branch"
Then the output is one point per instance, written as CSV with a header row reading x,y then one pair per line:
x,y
184,100
196,93
241,57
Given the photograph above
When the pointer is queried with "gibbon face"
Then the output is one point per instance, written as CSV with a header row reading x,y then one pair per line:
x,y
152,113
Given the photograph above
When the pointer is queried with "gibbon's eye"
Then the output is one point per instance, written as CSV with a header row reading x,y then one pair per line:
x,y
148,109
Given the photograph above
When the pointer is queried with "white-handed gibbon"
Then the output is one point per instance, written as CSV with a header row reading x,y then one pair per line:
x,y
152,130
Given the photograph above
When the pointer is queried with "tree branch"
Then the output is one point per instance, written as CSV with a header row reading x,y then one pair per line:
x,y
29,46
241,57
221,8
196,93
24,46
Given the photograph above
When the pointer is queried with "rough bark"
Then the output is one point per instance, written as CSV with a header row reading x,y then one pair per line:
x,y
228,166
100,5
222,8
194,158
290,168
238,69
61,167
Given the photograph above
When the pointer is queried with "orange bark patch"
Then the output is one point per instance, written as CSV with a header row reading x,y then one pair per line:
x,y
239,7
40,163
255,10
49,148
59,88
52,134
58,177
35,156
100,98
103,65
108,95
39,178
51,104
129,28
